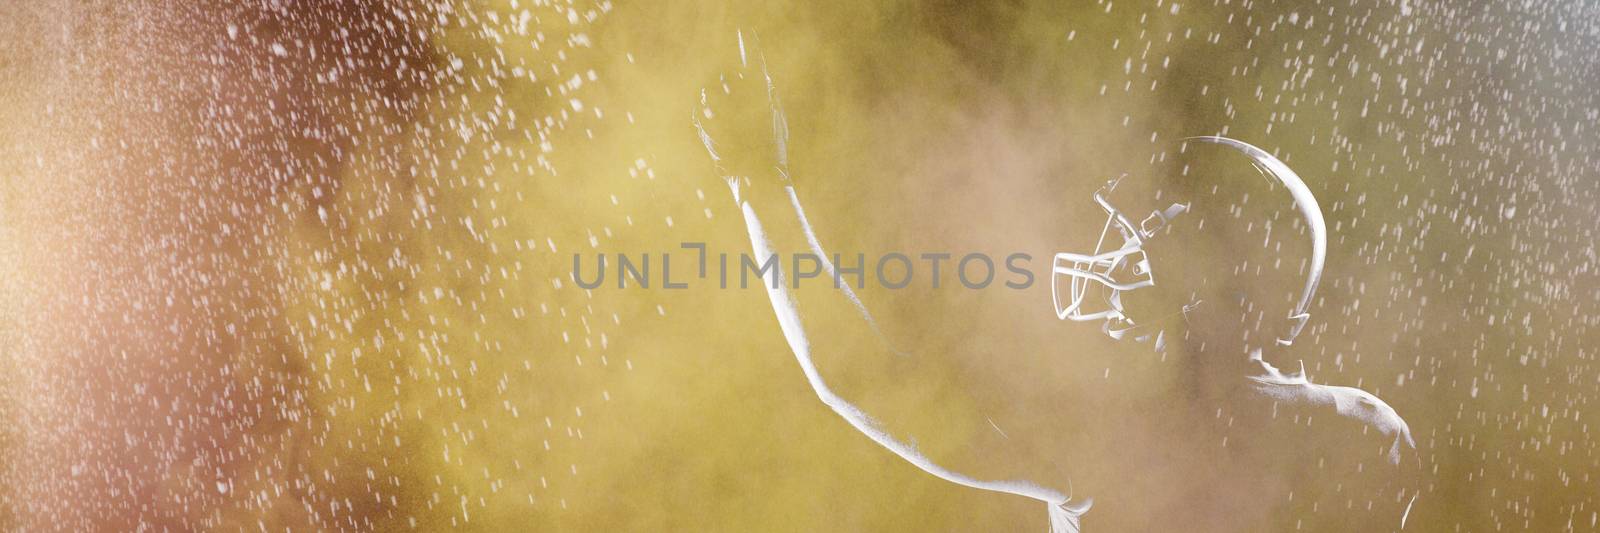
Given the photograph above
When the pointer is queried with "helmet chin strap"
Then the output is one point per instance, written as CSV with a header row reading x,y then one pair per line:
x,y
1142,332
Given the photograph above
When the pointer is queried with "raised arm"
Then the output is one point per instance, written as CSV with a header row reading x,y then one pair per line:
x,y
825,326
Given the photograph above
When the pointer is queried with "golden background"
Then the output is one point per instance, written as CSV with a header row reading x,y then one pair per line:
x,y
306,264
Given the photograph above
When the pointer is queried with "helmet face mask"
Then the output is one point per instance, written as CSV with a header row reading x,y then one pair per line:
x,y
1100,278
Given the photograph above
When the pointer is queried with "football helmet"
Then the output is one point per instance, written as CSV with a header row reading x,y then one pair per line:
x,y
1100,278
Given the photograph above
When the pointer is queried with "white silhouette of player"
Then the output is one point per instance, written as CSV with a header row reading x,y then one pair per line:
x,y
746,137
